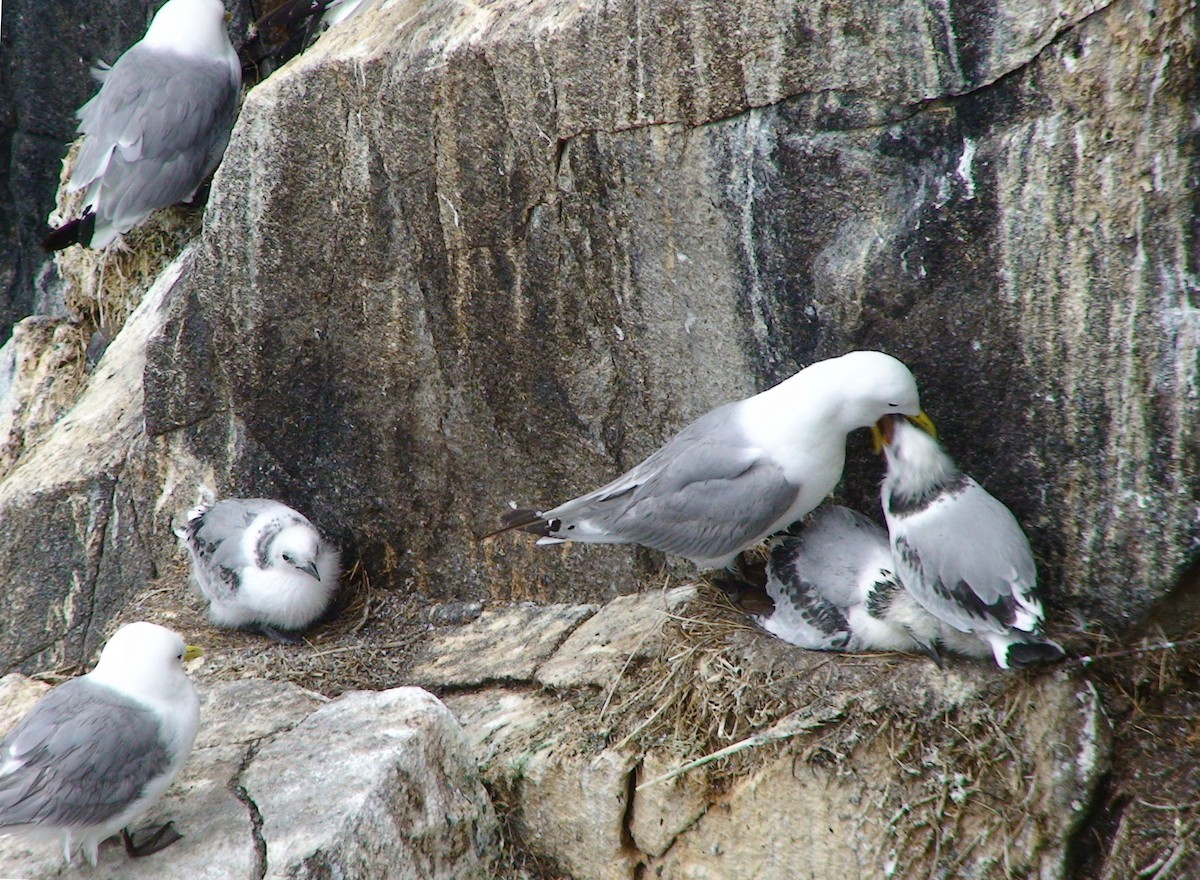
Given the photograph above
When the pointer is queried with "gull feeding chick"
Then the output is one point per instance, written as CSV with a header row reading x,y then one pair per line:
x,y
98,751
957,550
834,589
261,565
158,126
740,473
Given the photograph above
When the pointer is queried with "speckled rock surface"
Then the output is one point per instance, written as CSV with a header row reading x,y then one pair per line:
x,y
283,783
456,258
462,255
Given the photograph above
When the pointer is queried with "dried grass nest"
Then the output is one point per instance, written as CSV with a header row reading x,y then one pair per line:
x,y
103,287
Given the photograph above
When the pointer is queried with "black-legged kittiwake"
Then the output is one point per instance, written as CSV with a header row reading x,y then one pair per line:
x,y
834,589
743,471
97,752
261,565
158,126
334,12
291,26
958,550
296,15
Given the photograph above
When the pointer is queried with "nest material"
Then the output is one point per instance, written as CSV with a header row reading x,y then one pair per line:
x,y
103,287
369,646
721,687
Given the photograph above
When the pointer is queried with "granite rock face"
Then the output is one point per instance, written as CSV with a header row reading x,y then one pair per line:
x,y
462,254
457,258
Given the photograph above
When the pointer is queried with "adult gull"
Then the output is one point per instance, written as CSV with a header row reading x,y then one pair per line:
x,y
158,126
97,752
740,473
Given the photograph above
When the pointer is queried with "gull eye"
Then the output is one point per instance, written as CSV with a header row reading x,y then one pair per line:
x,y
287,557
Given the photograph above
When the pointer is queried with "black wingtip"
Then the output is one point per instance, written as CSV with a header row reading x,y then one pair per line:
x,y
524,519
1022,655
77,231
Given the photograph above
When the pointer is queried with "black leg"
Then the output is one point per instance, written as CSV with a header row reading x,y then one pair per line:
x,y
283,636
745,587
753,573
147,841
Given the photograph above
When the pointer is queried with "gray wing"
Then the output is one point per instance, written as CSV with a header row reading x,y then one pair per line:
x,y
967,561
214,537
705,494
803,614
836,548
81,755
157,127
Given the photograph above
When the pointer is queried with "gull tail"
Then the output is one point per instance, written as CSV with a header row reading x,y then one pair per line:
x,y
77,231
1034,653
1020,650
526,520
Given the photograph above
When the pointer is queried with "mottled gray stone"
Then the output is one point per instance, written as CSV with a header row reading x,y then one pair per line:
x,y
623,632
788,817
78,508
505,644
373,785
566,799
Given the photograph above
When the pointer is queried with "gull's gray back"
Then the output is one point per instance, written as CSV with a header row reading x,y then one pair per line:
x,y
161,105
701,496
88,753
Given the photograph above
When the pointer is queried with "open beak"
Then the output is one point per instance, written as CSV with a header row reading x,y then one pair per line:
x,y
881,434
191,652
925,423
882,430
310,568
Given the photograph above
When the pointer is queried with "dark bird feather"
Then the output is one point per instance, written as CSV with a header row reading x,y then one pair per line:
x,y
77,231
526,520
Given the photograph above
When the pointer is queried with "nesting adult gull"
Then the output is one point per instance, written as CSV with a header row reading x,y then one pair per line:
x,y
158,126
288,28
958,550
98,751
261,565
743,471
834,589
309,13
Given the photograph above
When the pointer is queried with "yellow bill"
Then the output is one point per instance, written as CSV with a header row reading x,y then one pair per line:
x,y
881,431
